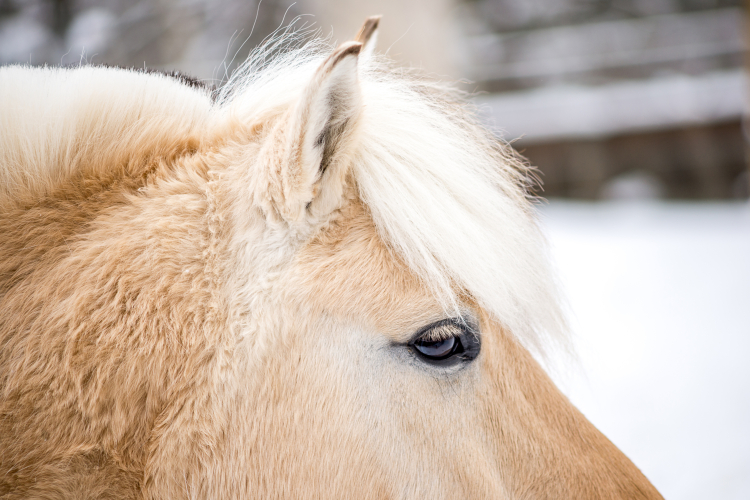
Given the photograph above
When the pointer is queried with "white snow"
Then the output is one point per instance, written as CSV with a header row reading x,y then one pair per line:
x,y
660,294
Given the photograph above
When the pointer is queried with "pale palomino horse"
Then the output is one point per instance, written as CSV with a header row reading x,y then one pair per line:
x,y
323,281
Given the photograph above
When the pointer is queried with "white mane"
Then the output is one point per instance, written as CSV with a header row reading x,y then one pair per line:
x,y
55,120
442,191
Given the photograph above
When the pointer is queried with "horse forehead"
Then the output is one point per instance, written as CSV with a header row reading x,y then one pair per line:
x,y
349,270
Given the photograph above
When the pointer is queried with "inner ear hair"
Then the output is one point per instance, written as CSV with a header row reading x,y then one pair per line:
x,y
339,101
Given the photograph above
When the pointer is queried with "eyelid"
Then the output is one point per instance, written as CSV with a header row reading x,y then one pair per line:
x,y
443,329
440,331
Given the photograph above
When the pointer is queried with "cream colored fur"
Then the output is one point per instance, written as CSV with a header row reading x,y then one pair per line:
x,y
212,299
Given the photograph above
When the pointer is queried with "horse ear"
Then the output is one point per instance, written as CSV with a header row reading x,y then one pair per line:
x,y
368,34
320,136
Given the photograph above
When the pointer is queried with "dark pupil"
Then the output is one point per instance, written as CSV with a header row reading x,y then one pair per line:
x,y
437,349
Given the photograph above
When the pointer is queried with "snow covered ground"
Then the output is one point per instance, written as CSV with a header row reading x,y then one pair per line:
x,y
660,294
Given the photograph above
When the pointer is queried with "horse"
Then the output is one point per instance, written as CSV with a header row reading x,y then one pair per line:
x,y
325,279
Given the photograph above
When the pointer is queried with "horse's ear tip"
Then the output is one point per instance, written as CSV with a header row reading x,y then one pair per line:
x,y
368,28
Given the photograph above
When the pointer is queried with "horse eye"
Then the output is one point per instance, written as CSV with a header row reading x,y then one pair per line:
x,y
447,342
439,349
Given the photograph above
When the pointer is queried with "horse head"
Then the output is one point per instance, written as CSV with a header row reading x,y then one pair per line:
x,y
325,280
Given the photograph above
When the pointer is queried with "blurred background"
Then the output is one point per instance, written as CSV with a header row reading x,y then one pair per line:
x,y
634,112
609,98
